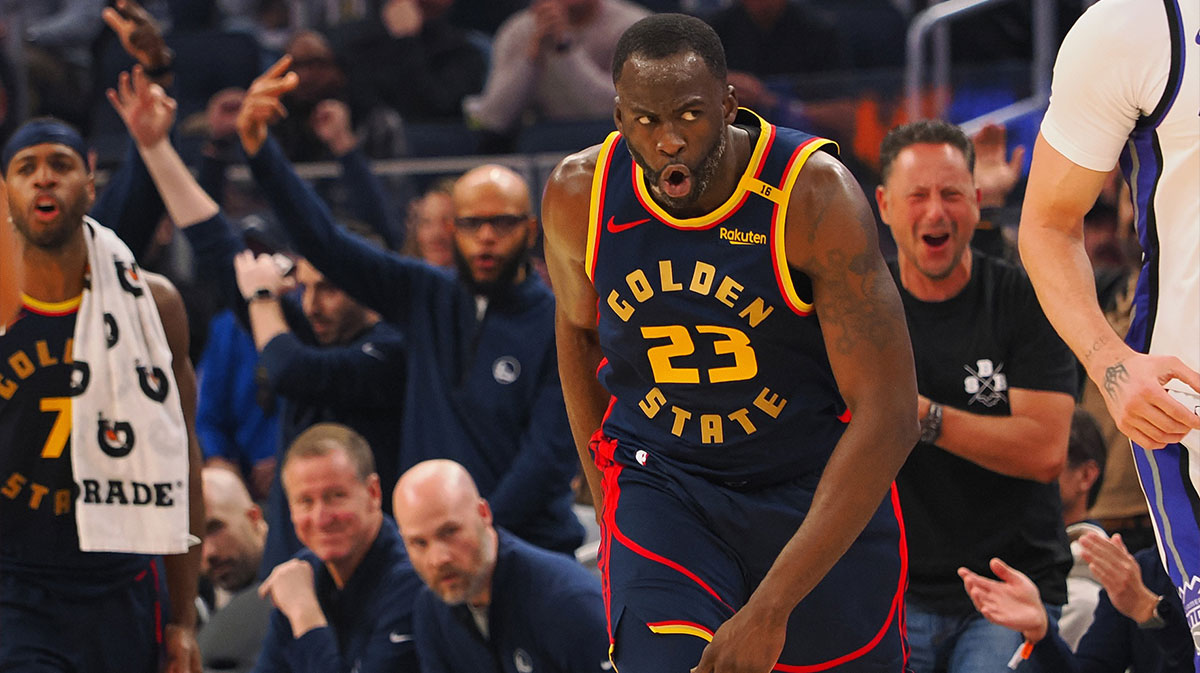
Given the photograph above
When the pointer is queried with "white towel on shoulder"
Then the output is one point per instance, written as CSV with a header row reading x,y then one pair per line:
x,y
129,444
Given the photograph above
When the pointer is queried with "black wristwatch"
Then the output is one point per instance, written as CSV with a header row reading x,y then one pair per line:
x,y
931,425
1156,620
261,294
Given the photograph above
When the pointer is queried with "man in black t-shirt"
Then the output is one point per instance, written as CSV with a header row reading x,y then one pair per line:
x,y
995,405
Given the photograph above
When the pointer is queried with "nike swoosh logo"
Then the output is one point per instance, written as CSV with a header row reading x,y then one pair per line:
x,y
615,228
399,637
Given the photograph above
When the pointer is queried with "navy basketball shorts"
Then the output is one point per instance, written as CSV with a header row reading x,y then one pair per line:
x,y
114,630
680,554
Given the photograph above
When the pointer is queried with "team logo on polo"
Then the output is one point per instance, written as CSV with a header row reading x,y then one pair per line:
x,y
985,383
116,439
154,382
129,277
506,370
111,333
522,661
81,376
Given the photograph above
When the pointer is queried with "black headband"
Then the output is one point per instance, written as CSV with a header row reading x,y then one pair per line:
x,y
41,131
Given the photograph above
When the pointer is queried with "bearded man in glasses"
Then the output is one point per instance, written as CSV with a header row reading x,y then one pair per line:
x,y
482,384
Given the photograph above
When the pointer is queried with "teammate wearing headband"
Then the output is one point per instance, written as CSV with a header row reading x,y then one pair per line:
x,y
63,609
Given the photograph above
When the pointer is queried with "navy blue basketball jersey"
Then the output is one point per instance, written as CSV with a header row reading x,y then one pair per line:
x,y
38,380
713,351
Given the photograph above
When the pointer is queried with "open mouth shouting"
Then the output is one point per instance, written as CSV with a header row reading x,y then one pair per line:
x,y
675,181
46,208
936,241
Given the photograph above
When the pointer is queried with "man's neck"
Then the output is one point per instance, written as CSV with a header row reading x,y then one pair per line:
x,y
484,597
929,289
55,275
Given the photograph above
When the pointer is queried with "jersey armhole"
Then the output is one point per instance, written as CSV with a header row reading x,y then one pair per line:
x,y
783,273
596,204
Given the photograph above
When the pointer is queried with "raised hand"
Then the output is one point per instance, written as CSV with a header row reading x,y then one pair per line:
x,y
261,106
995,176
146,109
331,122
261,272
1119,573
1012,602
139,33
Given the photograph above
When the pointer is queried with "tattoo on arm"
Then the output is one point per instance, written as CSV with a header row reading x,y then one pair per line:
x,y
1114,377
1096,346
857,313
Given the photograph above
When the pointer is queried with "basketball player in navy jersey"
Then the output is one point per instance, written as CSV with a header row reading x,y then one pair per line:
x,y
63,609
738,377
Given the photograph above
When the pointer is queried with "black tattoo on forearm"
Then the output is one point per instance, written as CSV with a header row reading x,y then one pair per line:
x,y
1114,377
855,308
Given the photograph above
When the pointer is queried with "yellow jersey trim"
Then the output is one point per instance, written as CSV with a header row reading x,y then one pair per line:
x,y
744,185
596,205
781,264
51,306
676,628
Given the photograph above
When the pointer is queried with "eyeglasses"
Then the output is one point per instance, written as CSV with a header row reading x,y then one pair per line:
x,y
502,224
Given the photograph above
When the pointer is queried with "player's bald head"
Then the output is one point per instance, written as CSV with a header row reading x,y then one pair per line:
x,y
224,490
492,181
435,481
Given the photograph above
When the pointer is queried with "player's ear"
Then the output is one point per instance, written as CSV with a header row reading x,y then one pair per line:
x,y
730,104
617,113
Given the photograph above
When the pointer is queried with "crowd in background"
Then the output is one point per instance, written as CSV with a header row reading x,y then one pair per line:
x,y
412,319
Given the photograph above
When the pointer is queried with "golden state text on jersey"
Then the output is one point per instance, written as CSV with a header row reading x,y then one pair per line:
x,y
39,379
712,346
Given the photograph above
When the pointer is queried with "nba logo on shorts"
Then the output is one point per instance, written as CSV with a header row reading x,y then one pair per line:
x,y
640,457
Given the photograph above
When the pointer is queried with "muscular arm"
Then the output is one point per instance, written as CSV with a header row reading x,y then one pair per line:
x,y
10,263
831,238
183,570
564,216
1029,444
1060,192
